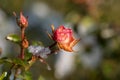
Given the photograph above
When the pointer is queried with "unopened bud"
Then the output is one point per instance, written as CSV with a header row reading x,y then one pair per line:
x,y
22,21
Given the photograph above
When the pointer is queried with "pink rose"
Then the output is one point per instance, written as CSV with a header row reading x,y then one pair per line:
x,y
64,38
62,35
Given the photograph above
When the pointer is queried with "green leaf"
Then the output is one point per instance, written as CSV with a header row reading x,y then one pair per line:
x,y
3,76
16,61
13,38
4,60
26,76
37,43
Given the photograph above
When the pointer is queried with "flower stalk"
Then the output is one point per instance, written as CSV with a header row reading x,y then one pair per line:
x,y
23,24
22,48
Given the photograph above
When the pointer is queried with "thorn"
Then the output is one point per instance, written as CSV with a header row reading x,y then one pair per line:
x,y
49,35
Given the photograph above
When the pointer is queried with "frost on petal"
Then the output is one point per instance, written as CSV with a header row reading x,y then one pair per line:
x,y
39,51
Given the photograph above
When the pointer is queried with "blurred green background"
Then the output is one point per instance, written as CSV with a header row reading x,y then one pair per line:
x,y
96,22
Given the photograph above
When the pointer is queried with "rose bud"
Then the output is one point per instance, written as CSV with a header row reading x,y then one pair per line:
x,y
22,21
64,38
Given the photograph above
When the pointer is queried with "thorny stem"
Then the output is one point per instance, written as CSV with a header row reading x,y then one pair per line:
x,y
22,55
